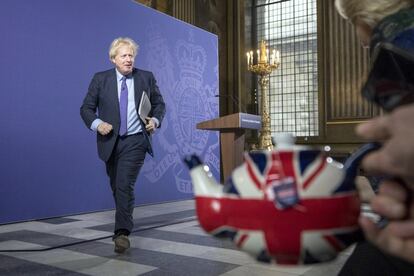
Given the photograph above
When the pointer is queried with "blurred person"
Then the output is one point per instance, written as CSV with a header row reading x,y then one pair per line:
x,y
390,21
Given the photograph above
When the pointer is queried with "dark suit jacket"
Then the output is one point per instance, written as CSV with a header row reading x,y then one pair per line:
x,y
103,96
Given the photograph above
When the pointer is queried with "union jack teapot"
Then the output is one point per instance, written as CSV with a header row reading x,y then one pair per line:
x,y
292,205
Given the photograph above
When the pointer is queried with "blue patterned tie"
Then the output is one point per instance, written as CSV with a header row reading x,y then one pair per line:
x,y
123,107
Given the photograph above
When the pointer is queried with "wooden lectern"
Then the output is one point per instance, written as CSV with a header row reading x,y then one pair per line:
x,y
232,128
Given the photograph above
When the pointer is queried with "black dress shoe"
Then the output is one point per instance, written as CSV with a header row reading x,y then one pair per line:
x,y
121,244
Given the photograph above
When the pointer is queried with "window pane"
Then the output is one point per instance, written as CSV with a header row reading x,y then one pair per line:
x,y
290,27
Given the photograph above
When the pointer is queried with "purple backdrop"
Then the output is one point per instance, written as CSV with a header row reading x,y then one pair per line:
x,y
49,52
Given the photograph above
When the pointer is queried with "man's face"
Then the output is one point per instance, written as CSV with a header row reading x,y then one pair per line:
x,y
124,60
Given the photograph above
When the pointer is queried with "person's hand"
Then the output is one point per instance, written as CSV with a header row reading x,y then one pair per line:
x,y
150,125
396,132
364,188
104,128
393,202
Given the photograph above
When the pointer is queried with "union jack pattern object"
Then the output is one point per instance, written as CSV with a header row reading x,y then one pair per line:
x,y
292,206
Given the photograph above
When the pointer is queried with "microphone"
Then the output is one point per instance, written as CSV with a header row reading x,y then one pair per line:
x,y
234,100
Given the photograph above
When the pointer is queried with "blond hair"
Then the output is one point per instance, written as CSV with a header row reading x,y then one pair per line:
x,y
122,41
370,12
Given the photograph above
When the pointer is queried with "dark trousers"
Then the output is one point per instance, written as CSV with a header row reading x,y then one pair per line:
x,y
122,168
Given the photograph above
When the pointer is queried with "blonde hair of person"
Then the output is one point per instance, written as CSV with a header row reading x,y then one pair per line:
x,y
122,41
370,12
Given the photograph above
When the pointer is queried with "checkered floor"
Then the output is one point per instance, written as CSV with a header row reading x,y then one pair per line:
x,y
167,241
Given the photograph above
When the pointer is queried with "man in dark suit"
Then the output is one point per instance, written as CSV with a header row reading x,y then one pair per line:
x,y
123,137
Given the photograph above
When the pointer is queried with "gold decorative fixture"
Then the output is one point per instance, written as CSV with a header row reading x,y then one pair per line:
x,y
264,66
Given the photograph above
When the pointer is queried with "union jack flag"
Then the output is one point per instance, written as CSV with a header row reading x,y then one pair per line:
x,y
289,206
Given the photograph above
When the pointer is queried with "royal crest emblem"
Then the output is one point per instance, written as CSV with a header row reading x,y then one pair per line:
x,y
189,100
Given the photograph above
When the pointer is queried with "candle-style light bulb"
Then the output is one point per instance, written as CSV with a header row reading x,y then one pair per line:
x,y
273,56
262,52
248,59
277,56
251,57
267,55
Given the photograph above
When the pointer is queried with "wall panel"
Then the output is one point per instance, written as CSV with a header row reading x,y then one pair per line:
x,y
343,67
48,158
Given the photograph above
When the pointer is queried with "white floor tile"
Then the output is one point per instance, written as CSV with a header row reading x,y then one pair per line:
x,y
254,271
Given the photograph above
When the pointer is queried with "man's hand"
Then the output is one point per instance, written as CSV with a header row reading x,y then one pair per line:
x,y
393,202
104,128
150,125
